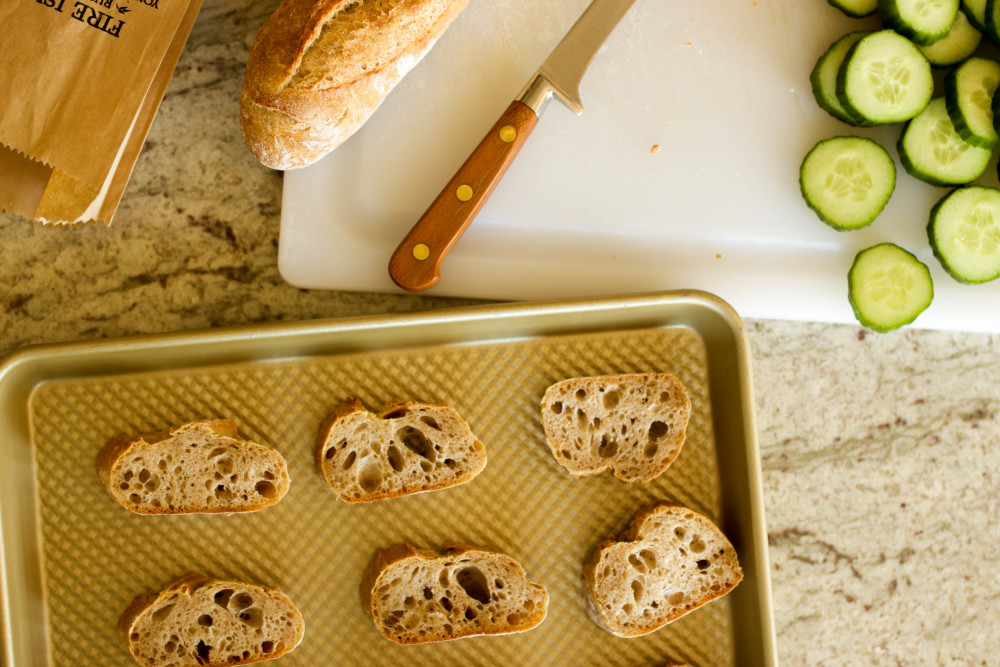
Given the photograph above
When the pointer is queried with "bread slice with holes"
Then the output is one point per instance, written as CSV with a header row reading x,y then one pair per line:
x,y
202,621
407,447
633,425
670,561
198,466
416,596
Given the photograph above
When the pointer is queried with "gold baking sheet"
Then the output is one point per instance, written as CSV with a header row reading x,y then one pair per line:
x,y
73,559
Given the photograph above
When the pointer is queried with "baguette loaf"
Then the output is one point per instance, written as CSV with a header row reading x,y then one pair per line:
x,y
633,425
416,596
408,447
319,68
670,561
199,466
201,621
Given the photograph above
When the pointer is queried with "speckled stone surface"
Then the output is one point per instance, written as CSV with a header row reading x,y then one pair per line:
x,y
881,453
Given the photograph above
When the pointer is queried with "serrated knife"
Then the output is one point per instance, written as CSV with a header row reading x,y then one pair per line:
x,y
416,263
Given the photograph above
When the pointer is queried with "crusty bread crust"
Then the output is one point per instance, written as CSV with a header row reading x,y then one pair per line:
x,y
642,571
632,424
439,604
184,611
238,468
290,115
406,447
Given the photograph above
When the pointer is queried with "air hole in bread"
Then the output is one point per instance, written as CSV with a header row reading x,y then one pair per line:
x,y
676,598
611,399
409,602
581,417
266,489
474,583
529,604
243,600
222,493
650,450
153,483
143,476
446,603
135,499
498,583
648,557
607,448
170,647
128,475
581,393
267,647
430,421
123,486
697,546
253,617
205,620
428,593
218,451
565,453
349,461
395,458
513,619
414,440
202,650
557,407
450,463
162,465
679,533
639,565
225,466
636,590
702,564
395,414
627,608
162,613
471,613
134,636
657,430
370,477
597,422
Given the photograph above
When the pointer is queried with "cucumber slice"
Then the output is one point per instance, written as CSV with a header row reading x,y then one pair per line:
x,y
856,8
968,94
847,181
931,150
964,231
923,21
959,44
824,78
885,79
975,10
888,287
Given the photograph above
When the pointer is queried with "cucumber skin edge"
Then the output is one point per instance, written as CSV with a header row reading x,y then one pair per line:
x,y
853,15
850,290
844,114
890,17
951,103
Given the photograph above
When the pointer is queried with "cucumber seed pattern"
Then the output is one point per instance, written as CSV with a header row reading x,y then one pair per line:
x,y
890,286
982,97
979,232
889,79
849,179
948,145
925,8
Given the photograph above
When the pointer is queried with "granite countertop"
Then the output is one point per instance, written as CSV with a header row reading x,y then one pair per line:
x,y
881,453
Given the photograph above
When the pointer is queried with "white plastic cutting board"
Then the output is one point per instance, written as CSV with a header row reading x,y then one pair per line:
x,y
682,171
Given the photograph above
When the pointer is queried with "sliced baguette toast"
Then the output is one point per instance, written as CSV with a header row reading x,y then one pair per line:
x,y
633,425
407,447
417,596
202,621
197,467
670,561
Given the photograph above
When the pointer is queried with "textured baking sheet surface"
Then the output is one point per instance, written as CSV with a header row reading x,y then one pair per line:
x,y
96,556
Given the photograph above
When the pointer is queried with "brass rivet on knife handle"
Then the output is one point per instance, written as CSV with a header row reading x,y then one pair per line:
x,y
451,212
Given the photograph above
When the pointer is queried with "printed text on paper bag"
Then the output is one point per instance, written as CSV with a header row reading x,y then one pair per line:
x,y
93,14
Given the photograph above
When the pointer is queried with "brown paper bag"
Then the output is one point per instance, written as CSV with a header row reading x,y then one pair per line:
x,y
80,82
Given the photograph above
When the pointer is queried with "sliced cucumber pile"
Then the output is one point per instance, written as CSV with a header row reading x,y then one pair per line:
x,y
950,128
847,181
885,79
931,150
888,287
964,232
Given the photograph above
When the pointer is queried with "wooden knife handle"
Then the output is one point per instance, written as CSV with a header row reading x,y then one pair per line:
x,y
416,263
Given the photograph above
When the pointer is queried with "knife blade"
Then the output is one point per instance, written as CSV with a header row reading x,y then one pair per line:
x,y
415,265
